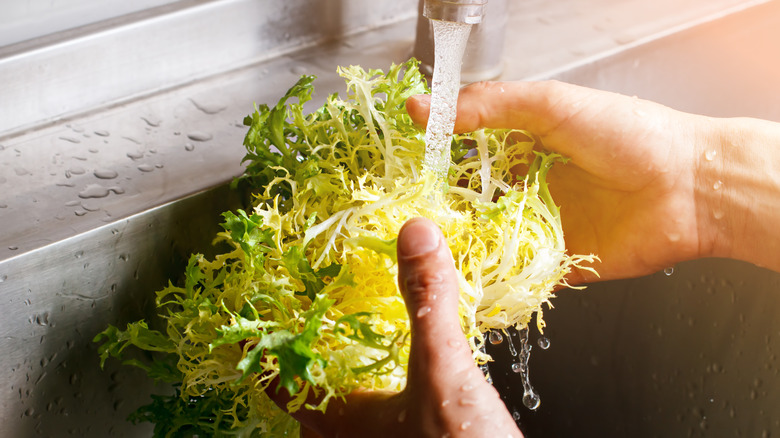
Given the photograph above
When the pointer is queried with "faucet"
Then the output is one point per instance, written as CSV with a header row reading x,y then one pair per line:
x,y
459,11
483,59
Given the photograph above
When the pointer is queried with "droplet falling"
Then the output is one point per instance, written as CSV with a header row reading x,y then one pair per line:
x,y
543,342
495,337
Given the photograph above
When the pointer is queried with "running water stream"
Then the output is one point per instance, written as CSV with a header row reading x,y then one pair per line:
x,y
449,44
450,40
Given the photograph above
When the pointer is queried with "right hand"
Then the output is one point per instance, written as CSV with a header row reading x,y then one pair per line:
x,y
635,191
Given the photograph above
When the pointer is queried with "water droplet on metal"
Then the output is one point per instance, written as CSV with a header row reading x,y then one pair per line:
x,y
152,121
669,271
94,191
102,133
71,139
208,108
105,173
189,147
199,136
145,167
135,155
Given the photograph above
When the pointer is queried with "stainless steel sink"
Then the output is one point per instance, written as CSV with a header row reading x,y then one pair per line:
x,y
693,353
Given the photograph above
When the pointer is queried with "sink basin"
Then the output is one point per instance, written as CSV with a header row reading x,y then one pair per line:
x,y
691,353
694,353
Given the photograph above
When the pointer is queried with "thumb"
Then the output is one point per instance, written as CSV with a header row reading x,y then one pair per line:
x,y
429,284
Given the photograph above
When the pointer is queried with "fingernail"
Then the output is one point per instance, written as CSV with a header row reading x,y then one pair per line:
x,y
419,236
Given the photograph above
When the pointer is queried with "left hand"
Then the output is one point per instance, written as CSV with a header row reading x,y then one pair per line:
x,y
446,394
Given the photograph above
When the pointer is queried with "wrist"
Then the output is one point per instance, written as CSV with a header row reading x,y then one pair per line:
x,y
738,190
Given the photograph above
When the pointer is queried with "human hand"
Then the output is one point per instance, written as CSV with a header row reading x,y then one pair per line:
x,y
446,394
629,193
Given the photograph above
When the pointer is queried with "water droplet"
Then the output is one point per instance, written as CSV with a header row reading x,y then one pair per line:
x,y
208,108
710,155
467,387
718,184
79,254
531,400
94,191
718,214
105,173
189,147
445,403
3,278
423,311
669,271
467,402
132,139
102,133
517,367
145,167
495,337
152,121
70,139
135,155
13,247
199,136
42,319
543,342
465,425
673,237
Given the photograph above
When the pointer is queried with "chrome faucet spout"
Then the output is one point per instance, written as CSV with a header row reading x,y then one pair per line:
x,y
483,59
459,11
